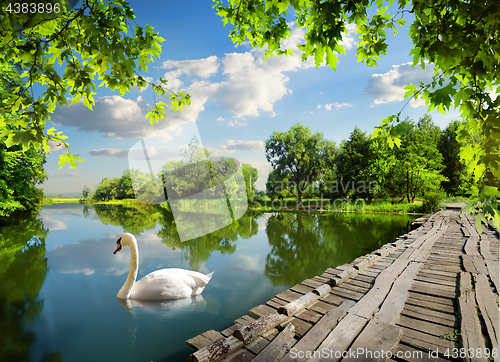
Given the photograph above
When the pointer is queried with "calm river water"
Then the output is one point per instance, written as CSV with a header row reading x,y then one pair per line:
x,y
59,277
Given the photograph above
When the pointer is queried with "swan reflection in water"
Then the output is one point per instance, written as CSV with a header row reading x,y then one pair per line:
x,y
169,311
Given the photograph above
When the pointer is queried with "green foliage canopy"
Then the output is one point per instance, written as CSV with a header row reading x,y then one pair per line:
x,y
62,54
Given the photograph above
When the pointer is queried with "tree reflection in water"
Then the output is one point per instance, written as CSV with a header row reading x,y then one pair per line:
x,y
23,268
303,246
198,250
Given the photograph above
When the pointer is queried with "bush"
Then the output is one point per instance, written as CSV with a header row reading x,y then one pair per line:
x,y
431,201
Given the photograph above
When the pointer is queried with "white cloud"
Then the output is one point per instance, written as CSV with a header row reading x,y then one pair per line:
x,y
337,105
349,40
203,68
55,146
114,116
318,106
231,123
239,145
389,87
53,224
66,175
109,152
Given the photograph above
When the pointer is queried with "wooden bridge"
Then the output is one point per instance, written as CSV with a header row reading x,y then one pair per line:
x,y
431,295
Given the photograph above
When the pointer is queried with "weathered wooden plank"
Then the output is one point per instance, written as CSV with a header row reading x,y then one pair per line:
x,y
393,305
259,326
431,305
204,339
470,327
318,333
302,288
358,283
488,307
355,288
304,301
493,272
216,350
450,291
428,270
321,307
276,302
434,329
241,355
257,345
261,310
446,268
426,341
301,327
346,293
240,322
311,283
364,279
332,299
430,315
309,316
341,337
436,281
289,295
278,347
377,336
375,296
491,262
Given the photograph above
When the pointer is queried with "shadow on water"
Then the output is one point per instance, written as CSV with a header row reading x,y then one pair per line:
x,y
23,268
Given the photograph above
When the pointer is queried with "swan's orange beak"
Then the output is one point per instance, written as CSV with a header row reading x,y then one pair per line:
x,y
119,246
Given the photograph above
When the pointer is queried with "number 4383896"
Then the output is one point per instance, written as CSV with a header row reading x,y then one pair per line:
x,y
33,8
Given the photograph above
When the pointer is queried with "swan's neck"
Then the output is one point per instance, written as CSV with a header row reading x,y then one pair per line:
x,y
126,290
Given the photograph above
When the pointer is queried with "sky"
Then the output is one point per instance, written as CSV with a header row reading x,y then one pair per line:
x,y
238,99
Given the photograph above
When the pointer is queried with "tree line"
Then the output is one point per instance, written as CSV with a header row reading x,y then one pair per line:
x,y
193,173
426,161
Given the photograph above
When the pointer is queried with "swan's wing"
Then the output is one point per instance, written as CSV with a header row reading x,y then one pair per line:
x,y
200,279
170,284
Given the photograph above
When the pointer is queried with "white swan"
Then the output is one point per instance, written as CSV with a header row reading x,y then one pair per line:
x,y
161,284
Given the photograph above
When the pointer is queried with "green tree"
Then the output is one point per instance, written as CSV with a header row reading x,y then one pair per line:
x,y
353,166
298,157
459,181
20,168
88,41
20,172
419,162
459,39
125,187
250,175
107,189
86,191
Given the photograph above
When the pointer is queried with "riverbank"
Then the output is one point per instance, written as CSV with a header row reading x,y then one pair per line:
x,y
339,205
309,205
128,202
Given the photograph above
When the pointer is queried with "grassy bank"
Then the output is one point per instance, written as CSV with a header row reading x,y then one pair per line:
x,y
53,200
326,205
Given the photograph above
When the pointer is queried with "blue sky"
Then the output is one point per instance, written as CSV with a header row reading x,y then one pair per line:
x,y
238,99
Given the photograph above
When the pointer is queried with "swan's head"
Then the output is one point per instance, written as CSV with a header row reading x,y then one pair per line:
x,y
124,240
